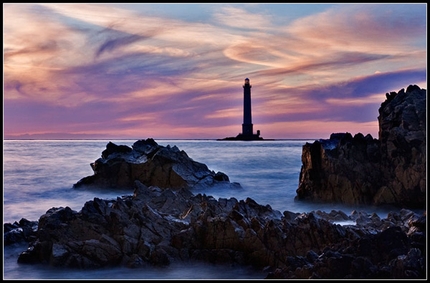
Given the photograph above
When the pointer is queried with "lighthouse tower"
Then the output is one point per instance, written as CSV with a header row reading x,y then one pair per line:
x,y
247,127
247,131
247,118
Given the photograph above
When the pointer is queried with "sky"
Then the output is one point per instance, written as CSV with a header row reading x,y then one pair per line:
x,y
176,71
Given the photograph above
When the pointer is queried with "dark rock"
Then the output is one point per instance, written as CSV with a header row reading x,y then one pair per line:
x,y
359,169
113,148
153,165
157,226
22,231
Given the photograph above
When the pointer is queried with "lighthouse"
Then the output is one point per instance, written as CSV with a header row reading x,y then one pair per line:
x,y
247,127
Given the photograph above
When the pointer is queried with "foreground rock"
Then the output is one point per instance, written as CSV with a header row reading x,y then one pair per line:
x,y
362,170
153,165
160,226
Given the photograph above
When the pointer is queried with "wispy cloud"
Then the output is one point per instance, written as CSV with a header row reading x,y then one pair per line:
x,y
237,17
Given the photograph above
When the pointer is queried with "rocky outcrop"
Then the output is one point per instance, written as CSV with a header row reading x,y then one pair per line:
x,y
153,165
362,170
158,227
402,131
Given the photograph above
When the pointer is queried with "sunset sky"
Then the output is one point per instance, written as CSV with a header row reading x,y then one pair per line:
x,y
137,71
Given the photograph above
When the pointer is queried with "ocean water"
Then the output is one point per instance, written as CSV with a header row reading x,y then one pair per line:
x,y
39,174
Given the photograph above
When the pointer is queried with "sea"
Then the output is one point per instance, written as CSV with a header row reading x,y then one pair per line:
x,y
39,175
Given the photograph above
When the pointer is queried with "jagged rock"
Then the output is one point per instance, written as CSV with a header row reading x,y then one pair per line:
x,y
363,170
157,226
22,231
402,132
153,165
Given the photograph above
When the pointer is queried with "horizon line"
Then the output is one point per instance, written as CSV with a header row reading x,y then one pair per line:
x,y
77,139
